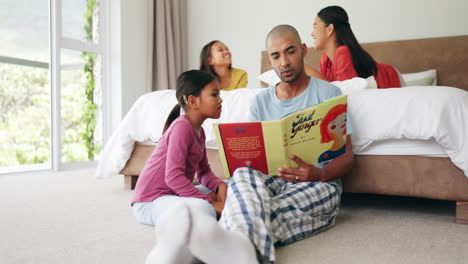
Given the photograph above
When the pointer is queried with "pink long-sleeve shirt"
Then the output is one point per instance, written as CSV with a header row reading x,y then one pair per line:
x,y
171,168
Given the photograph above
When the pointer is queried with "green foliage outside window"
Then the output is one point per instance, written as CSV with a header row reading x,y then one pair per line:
x,y
25,110
90,106
24,119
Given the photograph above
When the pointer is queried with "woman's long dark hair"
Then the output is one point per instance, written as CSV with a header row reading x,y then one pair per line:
x,y
205,54
363,63
188,83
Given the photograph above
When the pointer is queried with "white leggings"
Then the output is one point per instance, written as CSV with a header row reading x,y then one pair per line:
x,y
148,212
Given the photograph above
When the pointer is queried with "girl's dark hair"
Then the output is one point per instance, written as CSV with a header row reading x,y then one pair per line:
x,y
188,83
205,54
363,63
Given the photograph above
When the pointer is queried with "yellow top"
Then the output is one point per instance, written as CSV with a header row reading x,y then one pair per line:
x,y
238,79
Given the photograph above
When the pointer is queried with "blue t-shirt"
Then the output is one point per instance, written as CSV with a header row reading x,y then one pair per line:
x,y
266,106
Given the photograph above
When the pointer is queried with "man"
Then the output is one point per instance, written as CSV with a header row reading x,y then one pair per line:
x,y
300,202
260,209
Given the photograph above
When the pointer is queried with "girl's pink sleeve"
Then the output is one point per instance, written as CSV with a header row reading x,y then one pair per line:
x,y
178,146
205,175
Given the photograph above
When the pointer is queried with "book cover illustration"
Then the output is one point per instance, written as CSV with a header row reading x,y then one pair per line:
x,y
314,134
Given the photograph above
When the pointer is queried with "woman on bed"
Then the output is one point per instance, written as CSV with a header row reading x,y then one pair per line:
x,y
215,58
343,57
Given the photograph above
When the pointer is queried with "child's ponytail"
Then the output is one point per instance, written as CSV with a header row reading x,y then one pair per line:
x,y
188,83
173,115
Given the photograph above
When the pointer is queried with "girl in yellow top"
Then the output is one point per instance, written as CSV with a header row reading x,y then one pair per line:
x,y
215,58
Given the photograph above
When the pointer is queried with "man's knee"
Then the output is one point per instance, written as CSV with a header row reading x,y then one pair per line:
x,y
242,170
241,175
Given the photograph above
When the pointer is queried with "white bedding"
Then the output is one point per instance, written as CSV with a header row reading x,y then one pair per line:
x,y
405,146
420,112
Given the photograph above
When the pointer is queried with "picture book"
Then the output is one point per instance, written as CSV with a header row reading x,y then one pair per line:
x,y
314,134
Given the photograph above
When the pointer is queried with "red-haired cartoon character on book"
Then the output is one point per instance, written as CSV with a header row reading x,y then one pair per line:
x,y
333,127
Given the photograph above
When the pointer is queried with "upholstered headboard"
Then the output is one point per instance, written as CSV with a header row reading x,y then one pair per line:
x,y
449,55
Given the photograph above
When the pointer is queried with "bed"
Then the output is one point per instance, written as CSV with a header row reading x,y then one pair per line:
x,y
437,170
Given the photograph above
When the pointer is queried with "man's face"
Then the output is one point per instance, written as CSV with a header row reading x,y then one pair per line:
x,y
286,57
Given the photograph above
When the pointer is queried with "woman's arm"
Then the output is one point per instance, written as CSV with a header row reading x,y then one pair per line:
x,y
313,72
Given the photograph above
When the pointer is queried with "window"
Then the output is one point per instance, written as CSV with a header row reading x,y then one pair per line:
x,y
52,69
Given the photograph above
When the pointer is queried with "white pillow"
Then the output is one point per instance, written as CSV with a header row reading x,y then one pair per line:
x,y
270,77
424,78
372,82
356,84
347,86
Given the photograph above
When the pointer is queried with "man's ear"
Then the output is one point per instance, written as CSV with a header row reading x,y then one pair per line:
x,y
193,102
304,49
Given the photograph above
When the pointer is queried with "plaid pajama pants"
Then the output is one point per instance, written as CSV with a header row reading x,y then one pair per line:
x,y
271,211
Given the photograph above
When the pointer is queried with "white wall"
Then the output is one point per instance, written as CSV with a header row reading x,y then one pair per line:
x,y
244,24
129,40
112,119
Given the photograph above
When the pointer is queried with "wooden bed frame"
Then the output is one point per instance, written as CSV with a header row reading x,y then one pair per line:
x,y
416,176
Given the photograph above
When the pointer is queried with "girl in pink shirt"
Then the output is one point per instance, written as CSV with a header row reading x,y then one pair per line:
x,y
343,57
185,216
166,179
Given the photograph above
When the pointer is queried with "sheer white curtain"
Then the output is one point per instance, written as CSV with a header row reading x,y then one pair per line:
x,y
167,36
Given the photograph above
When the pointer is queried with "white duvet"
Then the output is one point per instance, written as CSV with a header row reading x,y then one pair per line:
x,y
417,112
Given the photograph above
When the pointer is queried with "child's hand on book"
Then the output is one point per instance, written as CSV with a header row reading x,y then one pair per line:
x,y
305,172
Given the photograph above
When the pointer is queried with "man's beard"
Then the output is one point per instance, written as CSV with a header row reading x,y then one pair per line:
x,y
292,78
